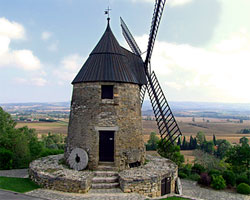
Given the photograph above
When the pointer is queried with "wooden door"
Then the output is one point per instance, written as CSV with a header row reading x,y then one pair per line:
x,y
106,146
166,186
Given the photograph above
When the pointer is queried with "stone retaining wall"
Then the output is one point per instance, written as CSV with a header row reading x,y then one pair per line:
x,y
48,173
146,179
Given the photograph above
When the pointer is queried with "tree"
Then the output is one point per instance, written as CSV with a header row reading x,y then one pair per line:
x,y
170,151
191,143
244,141
200,137
214,139
179,142
152,142
208,147
19,142
222,149
239,157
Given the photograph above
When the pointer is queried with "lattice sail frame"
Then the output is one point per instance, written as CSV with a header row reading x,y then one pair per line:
x,y
167,125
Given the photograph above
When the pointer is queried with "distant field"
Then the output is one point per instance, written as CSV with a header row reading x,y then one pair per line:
x,y
220,127
45,127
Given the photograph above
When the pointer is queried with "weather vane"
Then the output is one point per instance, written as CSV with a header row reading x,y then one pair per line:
x,y
107,11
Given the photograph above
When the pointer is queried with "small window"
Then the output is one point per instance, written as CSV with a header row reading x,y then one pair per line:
x,y
107,91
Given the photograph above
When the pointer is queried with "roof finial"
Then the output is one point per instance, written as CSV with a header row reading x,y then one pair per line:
x,y
107,11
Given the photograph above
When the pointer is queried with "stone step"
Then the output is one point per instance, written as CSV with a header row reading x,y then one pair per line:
x,y
111,179
112,164
104,185
106,168
105,173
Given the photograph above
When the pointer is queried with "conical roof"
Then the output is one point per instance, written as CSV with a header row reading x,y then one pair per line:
x,y
110,62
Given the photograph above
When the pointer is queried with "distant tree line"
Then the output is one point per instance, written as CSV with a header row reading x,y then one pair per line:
x,y
245,131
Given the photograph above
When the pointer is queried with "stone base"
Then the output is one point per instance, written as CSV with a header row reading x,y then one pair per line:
x,y
48,173
145,180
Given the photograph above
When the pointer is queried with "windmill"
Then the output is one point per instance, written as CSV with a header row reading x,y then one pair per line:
x,y
167,125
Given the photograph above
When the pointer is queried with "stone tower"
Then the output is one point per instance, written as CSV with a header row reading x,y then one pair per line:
x,y
105,117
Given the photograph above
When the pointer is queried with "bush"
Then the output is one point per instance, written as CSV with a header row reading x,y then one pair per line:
x,y
229,177
186,169
218,182
242,179
194,177
48,152
170,151
198,168
214,172
182,175
243,188
152,142
205,179
6,157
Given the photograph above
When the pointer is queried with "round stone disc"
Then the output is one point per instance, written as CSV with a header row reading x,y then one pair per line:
x,y
78,159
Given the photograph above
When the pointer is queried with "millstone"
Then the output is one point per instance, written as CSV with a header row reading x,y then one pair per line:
x,y
78,159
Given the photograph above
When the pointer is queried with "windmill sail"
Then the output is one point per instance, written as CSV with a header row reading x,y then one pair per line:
x,y
167,125
136,50
158,10
130,39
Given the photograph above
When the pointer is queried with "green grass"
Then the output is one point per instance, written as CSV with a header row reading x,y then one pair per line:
x,y
175,198
21,185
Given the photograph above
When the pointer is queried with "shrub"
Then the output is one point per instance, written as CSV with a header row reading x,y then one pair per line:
x,y
6,157
152,142
48,152
229,177
198,168
194,177
182,175
205,179
242,179
186,169
218,182
214,172
170,151
243,188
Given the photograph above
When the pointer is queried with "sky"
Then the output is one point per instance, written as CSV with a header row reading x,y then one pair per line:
x,y
202,52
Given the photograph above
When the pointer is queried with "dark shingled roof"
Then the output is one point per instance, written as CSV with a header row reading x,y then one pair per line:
x,y
110,62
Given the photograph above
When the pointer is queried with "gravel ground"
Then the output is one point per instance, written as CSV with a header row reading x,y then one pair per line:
x,y
192,189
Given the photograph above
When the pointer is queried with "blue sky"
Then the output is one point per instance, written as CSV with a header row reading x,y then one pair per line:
x,y
201,54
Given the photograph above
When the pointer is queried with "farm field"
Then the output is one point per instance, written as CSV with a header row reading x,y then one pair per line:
x,y
45,127
222,128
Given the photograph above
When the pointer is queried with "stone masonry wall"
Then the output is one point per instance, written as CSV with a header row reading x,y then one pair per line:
x,y
146,180
91,114
48,173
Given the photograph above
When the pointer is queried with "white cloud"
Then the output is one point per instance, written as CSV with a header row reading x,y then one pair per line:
x,y
37,81
70,65
24,58
11,30
223,69
46,35
53,47
173,3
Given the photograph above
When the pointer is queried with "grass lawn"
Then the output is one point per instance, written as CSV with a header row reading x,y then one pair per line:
x,y
17,184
